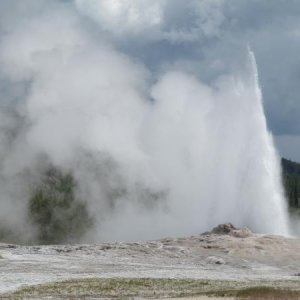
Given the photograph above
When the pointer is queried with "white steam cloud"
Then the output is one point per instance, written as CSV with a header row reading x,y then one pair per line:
x,y
171,158
123,16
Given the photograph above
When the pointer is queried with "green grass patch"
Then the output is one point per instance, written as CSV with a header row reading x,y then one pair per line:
x,y
112,288
268,293
155,288
258,292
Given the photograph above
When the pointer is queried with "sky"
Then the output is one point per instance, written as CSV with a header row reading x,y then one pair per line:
x,y
206,38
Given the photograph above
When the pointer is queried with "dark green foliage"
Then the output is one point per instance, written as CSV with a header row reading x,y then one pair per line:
x,y
60,218
291,180
55,212
290,167
292,188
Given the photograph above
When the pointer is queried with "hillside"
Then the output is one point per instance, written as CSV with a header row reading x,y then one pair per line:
x,y
291,180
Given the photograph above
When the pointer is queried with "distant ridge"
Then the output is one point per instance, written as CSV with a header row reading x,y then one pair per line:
x,y
291,181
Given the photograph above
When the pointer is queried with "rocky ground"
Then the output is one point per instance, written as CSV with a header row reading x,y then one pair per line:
x,y
225,259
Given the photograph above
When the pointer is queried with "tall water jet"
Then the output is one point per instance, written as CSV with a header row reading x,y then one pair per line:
x,y
269,214
211,149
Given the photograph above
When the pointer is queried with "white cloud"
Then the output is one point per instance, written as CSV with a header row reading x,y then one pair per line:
x,y
150,18
123,16
210,16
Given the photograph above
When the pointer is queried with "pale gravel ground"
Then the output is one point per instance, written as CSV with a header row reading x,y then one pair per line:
x,y
257,258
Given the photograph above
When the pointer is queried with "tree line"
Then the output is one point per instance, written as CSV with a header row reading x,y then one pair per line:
x,y
291,182
58,216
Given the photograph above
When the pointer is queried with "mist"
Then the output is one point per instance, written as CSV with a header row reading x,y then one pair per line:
x,y
153,153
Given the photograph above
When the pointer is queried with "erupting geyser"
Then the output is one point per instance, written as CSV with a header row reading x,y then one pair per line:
x,y
175,158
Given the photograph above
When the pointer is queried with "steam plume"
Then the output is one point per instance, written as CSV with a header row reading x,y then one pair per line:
x,y
173,157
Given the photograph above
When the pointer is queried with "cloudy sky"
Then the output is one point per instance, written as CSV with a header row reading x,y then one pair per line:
x,y
207,38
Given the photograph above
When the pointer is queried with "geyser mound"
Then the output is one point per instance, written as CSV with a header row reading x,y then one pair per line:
x,y
229,229
173,158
